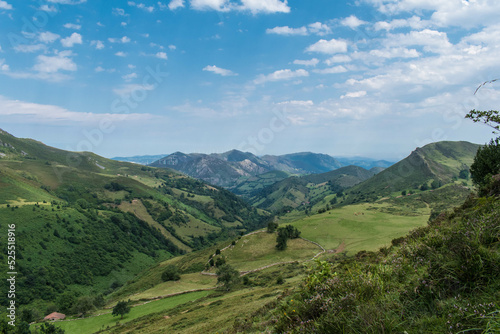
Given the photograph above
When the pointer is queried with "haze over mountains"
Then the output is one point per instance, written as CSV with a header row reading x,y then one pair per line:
x,y
233,167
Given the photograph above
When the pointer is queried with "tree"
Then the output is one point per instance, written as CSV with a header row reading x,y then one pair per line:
x,y
83,305
48,328
121,308
491,118
281,240
486,163
227,276
272,226
171,273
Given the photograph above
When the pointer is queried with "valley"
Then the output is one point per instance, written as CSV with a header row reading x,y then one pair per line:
x,y
93,232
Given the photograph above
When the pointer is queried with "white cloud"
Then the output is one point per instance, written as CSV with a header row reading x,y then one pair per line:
x,y
352,22
220,71
286,30
286,74
49,9
120,54
142,6
44,113
254,6
3,65
68,2
329,47
311,62
48,37
338,59
119,12
75,38
99,45
99,69
123,40
52,64
316,28
354,94
395,53
431,40
172,47
413,22
332,70
174,4
25,48
161,55
5,5
265,6
72,26
129,77
126,90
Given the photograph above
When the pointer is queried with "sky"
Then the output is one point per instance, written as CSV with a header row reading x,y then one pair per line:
x,y
373,78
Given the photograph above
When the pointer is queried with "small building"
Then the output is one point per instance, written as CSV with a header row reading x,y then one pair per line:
x,y
55,316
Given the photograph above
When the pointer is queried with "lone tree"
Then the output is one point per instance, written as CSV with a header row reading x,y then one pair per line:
x,y
227,276
285,233
121,308
171,273
48,328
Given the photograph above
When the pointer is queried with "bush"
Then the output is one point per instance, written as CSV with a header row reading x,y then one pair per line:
x,y
486,163
171,273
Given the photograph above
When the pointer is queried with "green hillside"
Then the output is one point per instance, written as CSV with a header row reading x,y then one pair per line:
x,y
249,186
86,225
303,192
442,162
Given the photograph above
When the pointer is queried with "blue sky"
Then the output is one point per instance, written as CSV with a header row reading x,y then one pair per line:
x,y
374,78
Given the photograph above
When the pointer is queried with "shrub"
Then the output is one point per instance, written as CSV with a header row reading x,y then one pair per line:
x,y
171,273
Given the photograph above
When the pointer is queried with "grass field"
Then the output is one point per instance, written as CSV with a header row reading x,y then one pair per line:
x,y
358,227
96,323
258,250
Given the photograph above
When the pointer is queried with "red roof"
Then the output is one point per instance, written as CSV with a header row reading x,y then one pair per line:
x,y
55,316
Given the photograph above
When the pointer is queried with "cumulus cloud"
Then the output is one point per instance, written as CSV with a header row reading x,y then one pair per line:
x,y
354,94
220,71
72,26
68,2
5,5
161,55
338,59
123,40
129,77
48,37
174,4
413,22
142,6
316,28
286,74
254,6
119,12
52,64
352,22
29,48
311,62
48,9
70,41
3,65
329,47
120,54
332,70
99,45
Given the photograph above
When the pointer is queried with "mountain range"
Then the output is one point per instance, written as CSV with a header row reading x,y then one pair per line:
x,y
234,167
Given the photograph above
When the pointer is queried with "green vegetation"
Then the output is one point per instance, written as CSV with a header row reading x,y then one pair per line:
x,y
227,277
121,308
486,163
171,273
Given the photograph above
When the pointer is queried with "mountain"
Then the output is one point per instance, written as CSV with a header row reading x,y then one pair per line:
x,y
86,223
366,163
141,159
442,162
303,163
234,169
304,191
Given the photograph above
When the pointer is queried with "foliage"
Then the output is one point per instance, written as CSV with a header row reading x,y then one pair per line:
x,y
121,308
285,233
48,328
441,278
227,276
171,273
486,163
83,305
490,118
